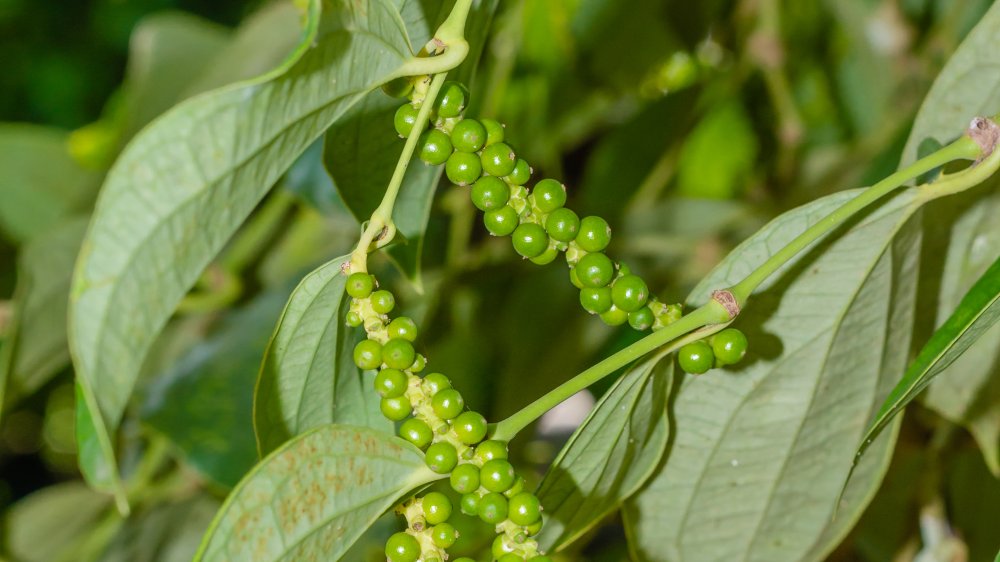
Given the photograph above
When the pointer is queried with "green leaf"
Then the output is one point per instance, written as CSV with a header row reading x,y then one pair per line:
x,y
308,377
169,532
166,51
609,456
973,318
761,451
362,149
963,237
184,185
40,184
216,436
313,497
51,523
718,155
37,348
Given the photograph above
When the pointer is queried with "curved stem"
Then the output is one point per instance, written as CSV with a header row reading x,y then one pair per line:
x,y
712,313
962,149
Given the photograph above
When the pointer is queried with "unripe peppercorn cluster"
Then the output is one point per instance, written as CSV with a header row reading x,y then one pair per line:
x,y
430,413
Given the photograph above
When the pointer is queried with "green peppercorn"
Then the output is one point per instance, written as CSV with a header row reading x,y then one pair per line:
x,y
575,279
396,409
594,235
469,427
448,403
353,319
492,508
436,507
562,224
595,300
641,319
501,547
441,457
524,509
502,221
383,301
696,357
729,346
463,168
451,100
417,432
498,159
492,449
629,293
549,195
390,383
405,119
548,256
444,535
490,193
529,240
469,504
402,547
398,353
359,285
521,173
614,316
402,328
595,270
497,475
434,383
494,131
468,135
435,147
368,354
465,478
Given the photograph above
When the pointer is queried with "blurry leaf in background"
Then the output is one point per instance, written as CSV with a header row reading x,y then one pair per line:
x,y
51,524
891,518
761,453
40,184
204,402
314,496
974,504
719,154
169,532
308,377
37,348
610,455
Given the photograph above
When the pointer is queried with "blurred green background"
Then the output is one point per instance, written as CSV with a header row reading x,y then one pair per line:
x,y
687,125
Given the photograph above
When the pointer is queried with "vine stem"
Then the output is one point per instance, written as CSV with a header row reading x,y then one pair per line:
x,y
450,41
726,304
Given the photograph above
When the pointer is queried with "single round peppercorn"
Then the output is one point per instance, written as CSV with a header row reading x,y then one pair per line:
x,y
490,193
441,457
562,224
451,100
383,301
448,403
492,449
497,475
402,547
435,147
437,507
398,353
641,319
390,383
405,118
396,409
465,478
545,258
462,168
729,346
498,159
629,293
359,285
534,528
494,131
492,508
368,354
444,535
614,316
418,364
502,221
594,235
353,319
549,195
529,240
434,383
696,357
521,173
402,328
516,488
468,135
595,270
595,300
417,432
524,509
469,427
469,504
398,87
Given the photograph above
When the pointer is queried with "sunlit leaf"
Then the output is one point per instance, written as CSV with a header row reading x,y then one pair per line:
x,y
186,183
314,496
308,377
609,456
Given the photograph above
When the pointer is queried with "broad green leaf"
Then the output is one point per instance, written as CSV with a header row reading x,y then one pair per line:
x,y
609,456
40,184
37,348
964,236
719,154
314,496
166,51
216,436
308,377
760,452
362,149
973,318
169,532
185,183
51,523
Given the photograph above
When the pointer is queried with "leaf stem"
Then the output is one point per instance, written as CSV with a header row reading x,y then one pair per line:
x,y
711,314
965,148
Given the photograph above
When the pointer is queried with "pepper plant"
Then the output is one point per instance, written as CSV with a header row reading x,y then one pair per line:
x,y
755,418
